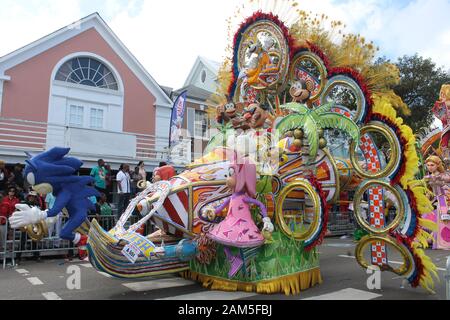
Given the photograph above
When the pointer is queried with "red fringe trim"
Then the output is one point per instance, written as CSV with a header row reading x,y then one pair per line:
x,y
413,204
417,261
318,52
355,75
258,16
403,142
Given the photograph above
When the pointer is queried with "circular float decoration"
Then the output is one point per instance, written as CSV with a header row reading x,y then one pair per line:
x,y
307,65
288,222
352,94
393,191
405,269
265,33
394,162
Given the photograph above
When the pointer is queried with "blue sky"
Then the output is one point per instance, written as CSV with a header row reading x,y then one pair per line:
x,y
167,36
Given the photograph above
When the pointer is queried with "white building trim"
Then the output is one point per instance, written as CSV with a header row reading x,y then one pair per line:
x,y
96,57
199,64
3,78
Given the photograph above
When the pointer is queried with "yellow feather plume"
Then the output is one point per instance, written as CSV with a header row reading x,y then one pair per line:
x,y
383,106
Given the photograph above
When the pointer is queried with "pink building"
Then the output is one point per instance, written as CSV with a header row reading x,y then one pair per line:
x,y
80,87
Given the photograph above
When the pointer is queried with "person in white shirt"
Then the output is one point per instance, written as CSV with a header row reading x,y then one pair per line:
x,y
123,188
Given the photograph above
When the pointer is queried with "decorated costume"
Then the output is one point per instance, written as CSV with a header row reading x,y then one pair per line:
x,y
439,181
53,172
238,229
442,111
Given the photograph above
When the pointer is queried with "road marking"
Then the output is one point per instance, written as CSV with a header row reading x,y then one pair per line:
x,y
86,265
35,281
105,274
22,271
158,284
393,262
211,295
347,294
51,296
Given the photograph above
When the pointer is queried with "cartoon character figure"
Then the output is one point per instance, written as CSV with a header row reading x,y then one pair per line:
x,y
238,229
442,111
226,113
262,69
257,115
52,172
301,90
439,181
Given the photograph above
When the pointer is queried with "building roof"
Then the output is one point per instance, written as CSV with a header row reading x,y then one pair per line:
x,y
194,92
92,21
212,66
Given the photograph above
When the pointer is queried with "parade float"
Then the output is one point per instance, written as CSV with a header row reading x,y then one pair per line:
x,y
307,124
436,160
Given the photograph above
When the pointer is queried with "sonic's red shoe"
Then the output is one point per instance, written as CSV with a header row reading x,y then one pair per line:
x,y
82,252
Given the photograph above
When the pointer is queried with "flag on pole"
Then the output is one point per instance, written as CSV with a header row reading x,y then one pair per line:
x,y
176,122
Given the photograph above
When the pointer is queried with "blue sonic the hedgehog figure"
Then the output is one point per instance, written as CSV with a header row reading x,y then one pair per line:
x,y
53,172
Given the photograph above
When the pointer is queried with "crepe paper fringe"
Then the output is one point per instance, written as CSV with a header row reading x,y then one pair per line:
x,y
384,111
289,285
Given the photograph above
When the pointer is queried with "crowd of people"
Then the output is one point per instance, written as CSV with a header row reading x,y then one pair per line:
x,y
14,189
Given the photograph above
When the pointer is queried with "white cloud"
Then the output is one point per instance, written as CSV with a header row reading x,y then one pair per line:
x,y
22,24
167,36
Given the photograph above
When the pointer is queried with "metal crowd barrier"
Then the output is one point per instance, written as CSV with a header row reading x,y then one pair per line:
x,y
16,244
341,223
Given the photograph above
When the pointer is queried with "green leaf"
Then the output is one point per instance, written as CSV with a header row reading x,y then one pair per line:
x,y
296,107
312,134
340,122
326,108
290,122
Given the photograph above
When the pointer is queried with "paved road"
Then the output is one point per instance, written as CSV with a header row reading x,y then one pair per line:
x,y
343,279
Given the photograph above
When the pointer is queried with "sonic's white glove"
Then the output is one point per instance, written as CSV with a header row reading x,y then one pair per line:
x,y
26,216
268,225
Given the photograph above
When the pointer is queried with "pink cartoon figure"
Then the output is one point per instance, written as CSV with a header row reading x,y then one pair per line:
x,y
439,180
238,230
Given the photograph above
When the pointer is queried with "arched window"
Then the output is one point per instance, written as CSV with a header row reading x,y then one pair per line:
x,y
88,72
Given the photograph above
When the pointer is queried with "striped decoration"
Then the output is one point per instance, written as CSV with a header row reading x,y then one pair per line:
x,y
105,254
176,210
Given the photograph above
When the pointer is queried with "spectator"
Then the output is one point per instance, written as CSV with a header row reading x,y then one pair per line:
x,y
3,176
54,224
9,203
18,175
109,182
7,208
142,171
136,177
123,188
99,173
104,212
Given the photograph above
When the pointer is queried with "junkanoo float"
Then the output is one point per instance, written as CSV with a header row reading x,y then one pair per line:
x,y
302,121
